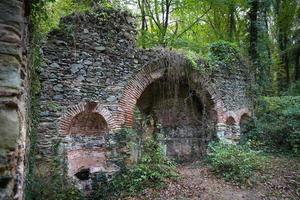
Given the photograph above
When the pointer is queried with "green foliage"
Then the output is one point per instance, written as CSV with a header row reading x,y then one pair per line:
x,y
220,53
233,162
34,117
45,15
223,52
51,185
193,24
151,171
53,106
294,89
191,56
276,126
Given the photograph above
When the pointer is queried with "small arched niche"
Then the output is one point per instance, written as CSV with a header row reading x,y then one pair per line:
x,y
231,128
244,121
88,122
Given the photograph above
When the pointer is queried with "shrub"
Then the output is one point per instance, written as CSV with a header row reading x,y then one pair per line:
x,y
294,89
234,163
151,171
277,124
223,52
50,184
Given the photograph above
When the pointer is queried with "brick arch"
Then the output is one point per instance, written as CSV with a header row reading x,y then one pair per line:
x,y
156,70
65,122
243,112
244,118
237,115
230,121
231,115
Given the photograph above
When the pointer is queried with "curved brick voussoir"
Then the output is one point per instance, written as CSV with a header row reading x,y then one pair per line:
x,y
67,119
243,112
169,62
237,115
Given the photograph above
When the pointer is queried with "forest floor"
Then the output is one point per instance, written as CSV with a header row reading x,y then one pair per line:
x,y
280,180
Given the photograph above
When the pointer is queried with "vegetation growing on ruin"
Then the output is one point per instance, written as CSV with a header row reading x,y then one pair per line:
x,y
151,171
224,53
48,182
45,16
265,33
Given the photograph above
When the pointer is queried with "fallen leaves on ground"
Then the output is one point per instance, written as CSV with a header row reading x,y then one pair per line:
x,y
281,181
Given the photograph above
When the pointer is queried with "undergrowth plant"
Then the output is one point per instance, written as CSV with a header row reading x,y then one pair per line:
x,y
233,162
48,180
151,171
276,127
49,183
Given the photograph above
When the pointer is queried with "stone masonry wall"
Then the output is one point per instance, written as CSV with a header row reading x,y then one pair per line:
x,y
92,76
13,97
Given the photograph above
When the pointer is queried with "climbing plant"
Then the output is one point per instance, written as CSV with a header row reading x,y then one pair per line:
x,y
224,53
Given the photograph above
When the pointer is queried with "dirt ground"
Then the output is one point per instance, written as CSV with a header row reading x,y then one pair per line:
x,y
280,181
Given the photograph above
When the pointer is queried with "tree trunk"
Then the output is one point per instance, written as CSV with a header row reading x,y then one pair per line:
x,y
253,36
231,22
142,4
297,65
286,59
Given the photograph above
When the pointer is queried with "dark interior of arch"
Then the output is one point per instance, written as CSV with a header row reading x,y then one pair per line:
x,y
231,129
245,124
182,114
88,123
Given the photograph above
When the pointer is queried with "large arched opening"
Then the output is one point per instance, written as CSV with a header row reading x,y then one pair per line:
x,y
181,113
175,101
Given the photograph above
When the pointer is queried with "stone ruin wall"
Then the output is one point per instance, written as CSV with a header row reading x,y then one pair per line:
x,y
92,77
92,59
14,73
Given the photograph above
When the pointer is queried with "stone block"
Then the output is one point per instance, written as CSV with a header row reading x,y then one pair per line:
x,y
9,131
10,49
11,12
7,61
9,34
9,72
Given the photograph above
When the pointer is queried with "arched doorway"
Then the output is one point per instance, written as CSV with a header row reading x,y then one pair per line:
x,y
177,100
183,115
